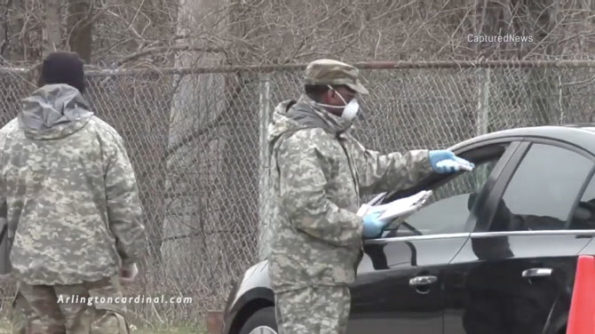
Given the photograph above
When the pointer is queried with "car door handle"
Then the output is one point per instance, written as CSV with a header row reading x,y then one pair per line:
x,y
537,272
422,280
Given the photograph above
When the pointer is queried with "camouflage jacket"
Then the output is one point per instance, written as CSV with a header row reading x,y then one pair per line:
x,y
70,191
318,172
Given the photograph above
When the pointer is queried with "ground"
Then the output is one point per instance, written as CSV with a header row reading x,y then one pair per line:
x,y
5,328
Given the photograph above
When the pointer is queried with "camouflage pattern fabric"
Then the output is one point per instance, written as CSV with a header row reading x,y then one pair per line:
x,y
19,313
69,185
319,171
323,310
53,309
333,72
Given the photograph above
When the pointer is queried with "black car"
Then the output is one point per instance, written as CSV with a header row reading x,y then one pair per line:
x,y
493,250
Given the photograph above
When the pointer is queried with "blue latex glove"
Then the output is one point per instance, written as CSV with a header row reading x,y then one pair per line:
x,y
444,162
372,225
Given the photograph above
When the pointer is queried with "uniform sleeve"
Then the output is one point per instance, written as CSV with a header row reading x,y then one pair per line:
x,y
388,172
3,199
3,203
303,197
123,205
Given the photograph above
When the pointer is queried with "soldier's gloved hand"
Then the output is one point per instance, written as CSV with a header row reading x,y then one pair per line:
x,y
128,273
373,226
444,162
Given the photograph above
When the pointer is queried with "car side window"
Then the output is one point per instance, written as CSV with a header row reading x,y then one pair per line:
x,y
583,216
542,191
447,210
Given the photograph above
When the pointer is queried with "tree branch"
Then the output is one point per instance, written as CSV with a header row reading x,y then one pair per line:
x,y
166,49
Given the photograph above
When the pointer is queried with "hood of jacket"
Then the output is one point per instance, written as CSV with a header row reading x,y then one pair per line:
x,y
54,111
302,114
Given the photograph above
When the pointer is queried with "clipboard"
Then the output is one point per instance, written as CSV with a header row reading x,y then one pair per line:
x,y
398,210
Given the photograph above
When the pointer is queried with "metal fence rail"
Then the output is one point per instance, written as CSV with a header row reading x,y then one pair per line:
x,y
196,137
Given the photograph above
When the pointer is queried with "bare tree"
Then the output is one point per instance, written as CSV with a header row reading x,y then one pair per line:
x,y
80,21
136,32
51,30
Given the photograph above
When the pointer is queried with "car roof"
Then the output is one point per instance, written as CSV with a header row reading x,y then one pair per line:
x,y
582,135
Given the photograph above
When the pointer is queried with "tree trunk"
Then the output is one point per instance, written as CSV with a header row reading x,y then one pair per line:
x,y
192,243
51,33
80,27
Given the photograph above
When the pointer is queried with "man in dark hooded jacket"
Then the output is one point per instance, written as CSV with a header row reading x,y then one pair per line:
x,y
73,210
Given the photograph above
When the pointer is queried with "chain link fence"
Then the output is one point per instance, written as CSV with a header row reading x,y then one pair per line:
x,y
196,138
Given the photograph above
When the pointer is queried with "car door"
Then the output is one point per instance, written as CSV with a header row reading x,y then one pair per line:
x,y
399,283
515,273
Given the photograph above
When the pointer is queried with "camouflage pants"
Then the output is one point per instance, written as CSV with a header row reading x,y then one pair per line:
x,y
55,309
313,310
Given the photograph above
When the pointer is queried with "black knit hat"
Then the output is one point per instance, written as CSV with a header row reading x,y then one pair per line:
x,y
63,68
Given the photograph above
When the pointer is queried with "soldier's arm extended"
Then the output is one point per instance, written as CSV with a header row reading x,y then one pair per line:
x,y
387,172
123,204
303,196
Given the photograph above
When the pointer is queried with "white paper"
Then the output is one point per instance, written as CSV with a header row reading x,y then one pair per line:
x,y
398,208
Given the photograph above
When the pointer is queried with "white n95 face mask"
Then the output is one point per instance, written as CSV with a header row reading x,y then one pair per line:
x,y
351,109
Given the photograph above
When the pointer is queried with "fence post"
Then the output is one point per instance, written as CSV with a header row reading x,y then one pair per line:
x,y
483,105
483,117
560,99
263,170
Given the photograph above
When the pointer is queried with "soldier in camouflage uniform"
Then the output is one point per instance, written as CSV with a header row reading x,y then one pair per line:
x,y
319,171
71,191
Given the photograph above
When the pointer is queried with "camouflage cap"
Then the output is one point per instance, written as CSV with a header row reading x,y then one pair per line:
x,y
333,72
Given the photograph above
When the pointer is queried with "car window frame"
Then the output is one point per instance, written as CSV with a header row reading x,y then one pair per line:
x,y
439,179
434,180
497,191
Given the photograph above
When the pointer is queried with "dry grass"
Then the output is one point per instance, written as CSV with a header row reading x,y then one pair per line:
x,y
6,328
